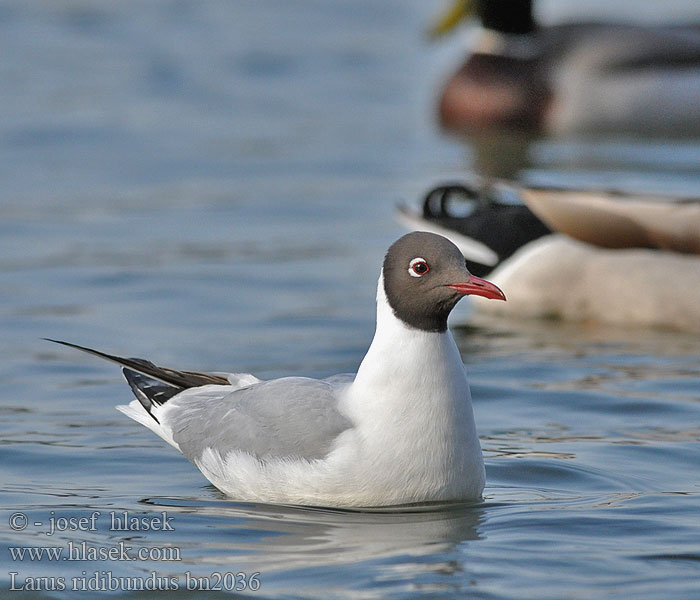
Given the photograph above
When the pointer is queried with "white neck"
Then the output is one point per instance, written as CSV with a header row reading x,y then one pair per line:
x,y
411,358
411,398
519,45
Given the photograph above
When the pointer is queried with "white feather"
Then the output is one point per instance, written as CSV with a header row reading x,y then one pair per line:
x,y
413,439
410,434
556,276
138,413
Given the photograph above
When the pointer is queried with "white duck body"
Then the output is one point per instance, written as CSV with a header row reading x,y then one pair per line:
x,y
556,276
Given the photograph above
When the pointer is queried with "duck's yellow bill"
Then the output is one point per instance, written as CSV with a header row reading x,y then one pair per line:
x,y
451,17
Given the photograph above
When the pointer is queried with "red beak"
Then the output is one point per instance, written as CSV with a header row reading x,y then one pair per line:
x,y
478,287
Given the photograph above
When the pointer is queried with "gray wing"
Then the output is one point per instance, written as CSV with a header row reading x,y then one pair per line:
x,y
292,417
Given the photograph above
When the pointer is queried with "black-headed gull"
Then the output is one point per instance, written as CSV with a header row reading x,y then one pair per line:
x,y
400,431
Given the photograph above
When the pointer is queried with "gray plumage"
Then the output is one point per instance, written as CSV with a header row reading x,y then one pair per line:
x,y
292,417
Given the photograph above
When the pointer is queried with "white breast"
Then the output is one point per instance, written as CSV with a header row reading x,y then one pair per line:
x,y
415,437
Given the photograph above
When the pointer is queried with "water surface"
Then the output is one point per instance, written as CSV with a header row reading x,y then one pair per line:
x,y
212,186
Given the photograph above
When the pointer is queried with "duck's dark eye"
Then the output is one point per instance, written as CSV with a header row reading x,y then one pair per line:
x,y
418,267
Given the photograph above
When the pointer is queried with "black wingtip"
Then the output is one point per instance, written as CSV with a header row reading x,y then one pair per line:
x,y
70,345
132,378
65,343
135,364
117,359
178,379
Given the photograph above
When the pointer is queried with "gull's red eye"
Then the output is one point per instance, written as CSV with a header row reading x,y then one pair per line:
x,y
418,267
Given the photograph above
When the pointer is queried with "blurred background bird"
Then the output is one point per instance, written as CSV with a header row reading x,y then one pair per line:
x,y
579,251
608,77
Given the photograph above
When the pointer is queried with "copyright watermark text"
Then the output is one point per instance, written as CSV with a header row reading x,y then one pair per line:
x,y
75,551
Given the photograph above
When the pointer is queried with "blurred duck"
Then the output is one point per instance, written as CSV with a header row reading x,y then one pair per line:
x,y
579,255
571,78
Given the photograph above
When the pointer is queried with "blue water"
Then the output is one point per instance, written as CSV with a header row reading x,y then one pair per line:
x,y
212,185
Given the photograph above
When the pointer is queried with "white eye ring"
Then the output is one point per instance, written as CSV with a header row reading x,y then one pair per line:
x,y
416,261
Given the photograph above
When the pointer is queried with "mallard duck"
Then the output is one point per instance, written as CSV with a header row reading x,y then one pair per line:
x,y
601,256
571,78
